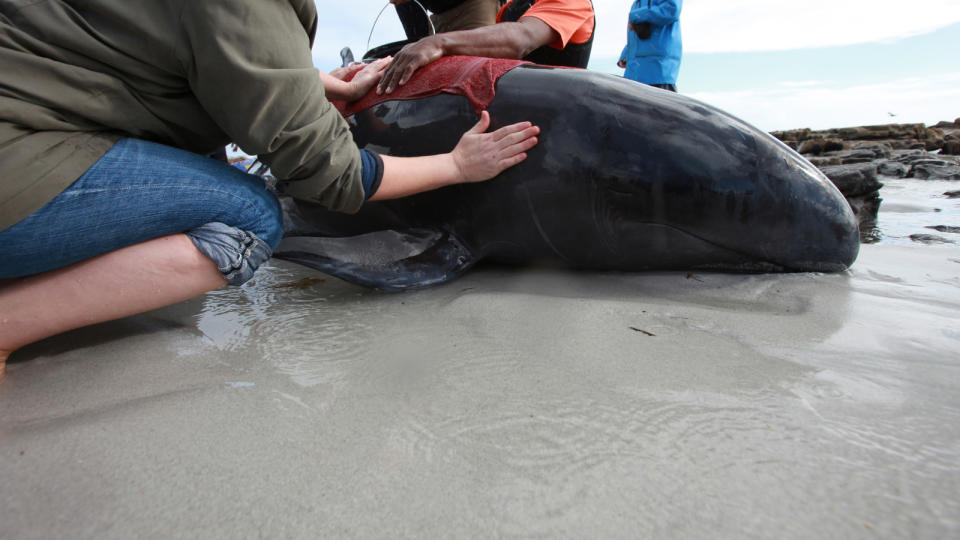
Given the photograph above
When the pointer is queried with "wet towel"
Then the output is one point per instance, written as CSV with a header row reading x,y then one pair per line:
x,y
469,76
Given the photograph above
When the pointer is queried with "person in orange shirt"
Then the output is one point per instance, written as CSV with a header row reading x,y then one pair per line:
x,y
451,15
552,32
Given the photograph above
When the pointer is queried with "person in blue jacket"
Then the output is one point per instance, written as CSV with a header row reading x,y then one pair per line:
x,y
653,50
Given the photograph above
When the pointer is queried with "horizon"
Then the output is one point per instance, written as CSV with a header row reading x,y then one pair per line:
x,y
818,65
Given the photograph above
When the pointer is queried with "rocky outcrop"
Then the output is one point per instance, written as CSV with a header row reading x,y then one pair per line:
x,y
854,157
943,124
930,239
897,136
854,179
927,167
859,184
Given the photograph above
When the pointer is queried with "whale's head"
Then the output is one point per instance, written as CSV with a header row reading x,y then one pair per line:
x,y
703,184
661,180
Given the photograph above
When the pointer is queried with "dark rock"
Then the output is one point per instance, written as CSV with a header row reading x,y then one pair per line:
x,y
884,131
945,228
863,155
870,235
930,239
830,145
922,159
947,124
935,144
892,168
926,166
792,134
912,156
853,160
880,150
853,156
896,135
854,180
866,207
934,169
821,161
951,147
897,144
819,145
952,194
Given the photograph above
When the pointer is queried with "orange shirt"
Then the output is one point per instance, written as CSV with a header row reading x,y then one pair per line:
x,y
572,19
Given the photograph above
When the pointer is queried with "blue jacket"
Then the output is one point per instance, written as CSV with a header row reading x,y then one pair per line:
x,y
655,60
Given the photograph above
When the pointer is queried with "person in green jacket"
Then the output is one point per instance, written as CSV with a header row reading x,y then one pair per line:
x,y
108,206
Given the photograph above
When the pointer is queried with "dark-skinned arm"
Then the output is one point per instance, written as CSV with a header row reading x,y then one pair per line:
x,y
501,40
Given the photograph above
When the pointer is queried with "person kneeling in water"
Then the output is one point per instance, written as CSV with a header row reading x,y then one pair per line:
x,y
109,207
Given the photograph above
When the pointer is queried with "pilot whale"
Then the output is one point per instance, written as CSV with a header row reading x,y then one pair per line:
x,y
625,177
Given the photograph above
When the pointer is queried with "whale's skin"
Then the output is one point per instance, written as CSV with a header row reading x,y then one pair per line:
x,y
625,177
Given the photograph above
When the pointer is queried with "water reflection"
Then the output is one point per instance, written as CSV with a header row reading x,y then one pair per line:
x,y
916,211
305,327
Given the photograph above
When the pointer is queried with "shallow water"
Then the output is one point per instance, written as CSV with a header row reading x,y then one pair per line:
x,y
512,402
913,207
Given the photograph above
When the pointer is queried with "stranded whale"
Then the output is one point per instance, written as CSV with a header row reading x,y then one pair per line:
x,y
625,177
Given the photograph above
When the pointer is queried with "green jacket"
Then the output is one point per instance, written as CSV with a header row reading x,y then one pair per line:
x,y
75,76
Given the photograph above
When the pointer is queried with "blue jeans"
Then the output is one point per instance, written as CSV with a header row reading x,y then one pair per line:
x,y
141,190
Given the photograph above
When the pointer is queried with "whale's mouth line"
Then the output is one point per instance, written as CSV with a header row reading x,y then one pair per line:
x,y
543,234
762,261
756,259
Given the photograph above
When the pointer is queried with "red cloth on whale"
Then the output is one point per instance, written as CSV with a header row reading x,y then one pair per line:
x,y
470,76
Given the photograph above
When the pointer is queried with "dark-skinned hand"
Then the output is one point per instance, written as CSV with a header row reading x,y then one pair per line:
x,y
411,57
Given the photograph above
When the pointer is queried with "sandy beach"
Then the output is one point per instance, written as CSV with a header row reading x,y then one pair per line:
x,y
513,402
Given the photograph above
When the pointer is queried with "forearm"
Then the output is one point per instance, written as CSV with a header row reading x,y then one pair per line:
x,y
404,176
502,40
477,157
335,88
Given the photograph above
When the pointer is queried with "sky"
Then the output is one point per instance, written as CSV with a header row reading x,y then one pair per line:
x,y
777,64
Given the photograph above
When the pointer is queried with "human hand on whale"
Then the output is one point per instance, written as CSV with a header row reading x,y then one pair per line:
x,y
352,82
478,156
502,40
410,58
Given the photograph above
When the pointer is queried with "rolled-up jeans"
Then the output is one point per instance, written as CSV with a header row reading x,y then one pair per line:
x,y
139,191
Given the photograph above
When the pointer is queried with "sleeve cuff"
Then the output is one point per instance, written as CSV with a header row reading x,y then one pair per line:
x,y
372,172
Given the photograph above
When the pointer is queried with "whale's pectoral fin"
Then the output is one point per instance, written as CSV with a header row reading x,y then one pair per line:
x,y
388,260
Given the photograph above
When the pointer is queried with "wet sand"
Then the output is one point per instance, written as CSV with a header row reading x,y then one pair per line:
x,y
512,402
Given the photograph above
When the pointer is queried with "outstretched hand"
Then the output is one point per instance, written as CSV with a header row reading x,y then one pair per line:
x,y
480,156
342,73
368,76
365,76
411,57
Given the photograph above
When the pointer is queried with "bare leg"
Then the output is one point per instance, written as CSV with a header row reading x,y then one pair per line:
x,y
125,282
